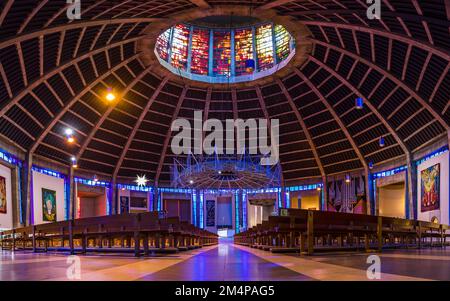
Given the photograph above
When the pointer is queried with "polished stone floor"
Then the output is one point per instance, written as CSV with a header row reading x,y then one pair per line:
x,y
227,262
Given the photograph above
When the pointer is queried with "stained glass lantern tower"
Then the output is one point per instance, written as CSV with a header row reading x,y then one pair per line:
x,y
225,55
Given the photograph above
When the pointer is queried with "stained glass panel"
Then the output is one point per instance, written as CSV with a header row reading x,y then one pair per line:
x,y
162,45
282,41
200,51
264,47
243,45
180,43
222,53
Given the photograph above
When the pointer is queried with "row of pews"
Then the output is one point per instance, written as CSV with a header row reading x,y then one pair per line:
x,y
141,234
309,231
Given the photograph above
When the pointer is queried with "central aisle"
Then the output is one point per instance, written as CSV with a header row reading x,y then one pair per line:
x,y
226,262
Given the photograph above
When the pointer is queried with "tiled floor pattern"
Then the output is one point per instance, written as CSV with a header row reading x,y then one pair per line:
x,y
228,262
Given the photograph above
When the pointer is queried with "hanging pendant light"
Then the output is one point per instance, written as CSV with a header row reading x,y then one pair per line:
x,y
370,165
359,102
382,142
249,65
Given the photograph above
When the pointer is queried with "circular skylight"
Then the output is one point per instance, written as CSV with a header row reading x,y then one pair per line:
x,y
227,54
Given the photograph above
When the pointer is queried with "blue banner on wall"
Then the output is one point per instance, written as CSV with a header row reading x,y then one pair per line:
x,y
210,213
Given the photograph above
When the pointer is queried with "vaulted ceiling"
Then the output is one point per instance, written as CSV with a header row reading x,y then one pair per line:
x,y
53,73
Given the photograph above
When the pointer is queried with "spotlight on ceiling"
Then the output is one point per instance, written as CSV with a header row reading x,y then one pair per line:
x,y
74,162
69,132
219,172
191,182
69,135
110,96
382,142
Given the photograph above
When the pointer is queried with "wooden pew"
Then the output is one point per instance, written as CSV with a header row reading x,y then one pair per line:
x,y
311,231
124,233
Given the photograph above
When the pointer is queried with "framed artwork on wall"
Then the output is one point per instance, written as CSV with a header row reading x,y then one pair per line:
x,y
430,188
48,205
3,195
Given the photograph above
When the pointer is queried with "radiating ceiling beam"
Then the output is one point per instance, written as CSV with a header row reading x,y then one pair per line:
x,y
272,4
447,8
200,3
105,11
206,110
138,125
5,81
366,102
411,172
398,37
335,116
262,104
57,70
31,15
74,25
169,133
304,127
76,98
111,108
5,11
393,78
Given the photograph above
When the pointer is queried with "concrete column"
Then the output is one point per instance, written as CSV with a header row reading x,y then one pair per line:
x,y
324,202
16,196
368,190
155,197
412,186
72,194
27,187
113,194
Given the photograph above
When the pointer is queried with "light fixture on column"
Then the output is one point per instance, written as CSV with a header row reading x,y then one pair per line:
x,y
347,178
74,162
359,102
381,142
110,95
69,135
